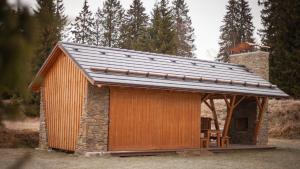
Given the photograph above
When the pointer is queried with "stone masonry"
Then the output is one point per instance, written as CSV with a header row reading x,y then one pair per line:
x,y
258,63
93,131
43,140
245,110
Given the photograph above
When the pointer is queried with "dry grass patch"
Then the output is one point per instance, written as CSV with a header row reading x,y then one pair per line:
x,y
284,118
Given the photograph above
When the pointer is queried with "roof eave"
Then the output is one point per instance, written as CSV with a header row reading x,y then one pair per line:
x,y
193,90
34,85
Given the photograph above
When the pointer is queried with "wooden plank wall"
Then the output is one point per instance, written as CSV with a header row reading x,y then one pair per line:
x,y
64,89
144,119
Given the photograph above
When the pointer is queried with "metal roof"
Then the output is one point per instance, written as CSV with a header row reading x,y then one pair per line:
x,y
127,67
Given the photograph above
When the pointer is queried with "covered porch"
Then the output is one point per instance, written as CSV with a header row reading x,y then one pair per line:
x,y
241,122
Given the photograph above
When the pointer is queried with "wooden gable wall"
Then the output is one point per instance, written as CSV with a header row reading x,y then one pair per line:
x,y
64,88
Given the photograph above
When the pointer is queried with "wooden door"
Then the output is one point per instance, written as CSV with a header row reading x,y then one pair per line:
x,y
143,119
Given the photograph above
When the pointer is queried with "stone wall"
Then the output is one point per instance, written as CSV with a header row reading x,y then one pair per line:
x,y
246,110
43,139
258,63
93,131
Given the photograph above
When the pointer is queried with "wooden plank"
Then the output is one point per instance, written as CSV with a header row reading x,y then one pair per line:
x,y
65,87
143,119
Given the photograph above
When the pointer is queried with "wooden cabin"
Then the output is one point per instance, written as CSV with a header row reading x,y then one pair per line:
x,y
97,99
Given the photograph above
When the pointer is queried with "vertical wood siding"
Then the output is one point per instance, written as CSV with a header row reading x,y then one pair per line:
x,y
64,90
143,119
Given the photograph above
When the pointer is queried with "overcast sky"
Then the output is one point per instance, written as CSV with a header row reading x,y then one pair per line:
x,y
206,17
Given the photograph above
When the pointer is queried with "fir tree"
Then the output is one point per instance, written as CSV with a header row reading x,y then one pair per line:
x,y
162,31
184,30
61,18
135,26
67,35
154,30
246,27
17,44
48,30
281,21
111,21
83,26
237,27
98,30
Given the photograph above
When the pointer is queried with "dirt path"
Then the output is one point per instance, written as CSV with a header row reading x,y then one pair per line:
x,y
287,156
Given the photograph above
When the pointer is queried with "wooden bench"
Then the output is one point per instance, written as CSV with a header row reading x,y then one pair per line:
x,y
205,138
216,135
225,142
204,142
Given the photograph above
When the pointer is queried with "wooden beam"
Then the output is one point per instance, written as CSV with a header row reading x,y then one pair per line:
x,y
239,101
258,102
230,108
207,104
226,100
262,104
205,97
212,104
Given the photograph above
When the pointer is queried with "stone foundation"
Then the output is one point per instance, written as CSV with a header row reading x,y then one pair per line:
x,y
43,139
93,131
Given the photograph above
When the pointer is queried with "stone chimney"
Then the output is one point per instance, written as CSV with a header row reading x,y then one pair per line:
x,y
258,63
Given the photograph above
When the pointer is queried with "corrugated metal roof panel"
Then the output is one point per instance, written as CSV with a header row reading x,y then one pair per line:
x,y
167,71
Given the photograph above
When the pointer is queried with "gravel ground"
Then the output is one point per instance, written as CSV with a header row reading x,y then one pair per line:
x,y
287,156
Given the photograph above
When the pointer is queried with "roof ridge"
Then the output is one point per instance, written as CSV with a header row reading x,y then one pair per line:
x,y
150,53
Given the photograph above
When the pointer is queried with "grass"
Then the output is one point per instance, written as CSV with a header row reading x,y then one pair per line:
x,y
285,157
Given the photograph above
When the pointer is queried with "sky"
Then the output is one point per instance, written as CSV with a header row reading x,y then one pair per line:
x,y
206,15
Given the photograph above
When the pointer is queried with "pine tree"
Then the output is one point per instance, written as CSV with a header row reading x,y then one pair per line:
x,y
184,30
246,27
48,30
17,44
111,21
83,26
237,27
67,35
154,43
135,26
98,30
162,31
281,21
61,18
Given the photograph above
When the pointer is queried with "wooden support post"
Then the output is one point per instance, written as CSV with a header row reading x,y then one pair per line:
x,y
230,107
211,106
213,110
261,104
